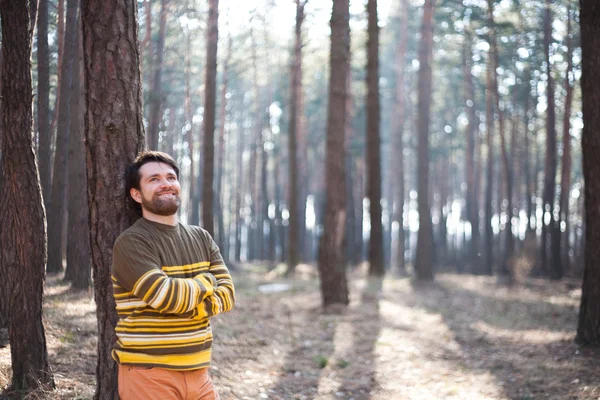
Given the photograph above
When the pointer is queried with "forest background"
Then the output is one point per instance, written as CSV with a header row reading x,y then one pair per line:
x,y
405,139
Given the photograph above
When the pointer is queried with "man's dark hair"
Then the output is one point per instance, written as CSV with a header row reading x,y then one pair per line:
x,y
132,177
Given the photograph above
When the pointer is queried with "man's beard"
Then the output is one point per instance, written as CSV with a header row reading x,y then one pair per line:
x,y
162,207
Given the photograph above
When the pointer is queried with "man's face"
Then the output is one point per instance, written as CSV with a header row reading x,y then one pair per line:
x,y
160,189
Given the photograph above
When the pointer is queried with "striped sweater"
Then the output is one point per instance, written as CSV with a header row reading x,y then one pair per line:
x,y
167,281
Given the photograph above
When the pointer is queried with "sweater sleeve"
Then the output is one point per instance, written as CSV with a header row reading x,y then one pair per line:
x,y
223,298
136,266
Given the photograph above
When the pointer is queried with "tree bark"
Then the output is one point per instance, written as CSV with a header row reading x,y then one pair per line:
x,y
23,233
294,127
424,267
332,258
223,241
588,328
548,236
78,239
58,199
505,264
565,182
43,101
399,120
489,124
472,205
210,100
114,136
156,93
373,144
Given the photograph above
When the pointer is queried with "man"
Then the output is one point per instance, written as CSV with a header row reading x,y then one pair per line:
x,y
168,280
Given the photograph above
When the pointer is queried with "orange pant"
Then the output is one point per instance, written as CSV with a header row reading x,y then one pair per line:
x,y
138,383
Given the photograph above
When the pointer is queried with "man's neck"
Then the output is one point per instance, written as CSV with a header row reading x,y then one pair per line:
x,y
161,219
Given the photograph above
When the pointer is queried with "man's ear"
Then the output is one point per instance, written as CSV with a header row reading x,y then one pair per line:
x,y
136,195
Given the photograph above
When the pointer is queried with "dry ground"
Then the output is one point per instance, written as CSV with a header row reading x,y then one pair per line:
x,y
462,337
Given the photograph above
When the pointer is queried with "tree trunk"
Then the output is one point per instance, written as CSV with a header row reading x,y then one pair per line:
x,y
488,212
424,267
294,127
43,101
505,264
58,199
114,136
373,144
555,269
60,16
472,205
23,234
565,182
222,237
399,117
588,329
156,93
189,126
332,259
210,98
78,240
238,189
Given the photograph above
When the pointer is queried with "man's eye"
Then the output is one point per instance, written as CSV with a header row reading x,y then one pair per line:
x,y
153,179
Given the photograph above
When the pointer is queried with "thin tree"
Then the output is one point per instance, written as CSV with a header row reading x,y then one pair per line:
x,y
562,251
472,206
554,269
43,100
505,268
156,93
78,237
588,328
210,99
23,233
424,262
489,127
294,127
373,144
114,135
332,257
399,116
58,198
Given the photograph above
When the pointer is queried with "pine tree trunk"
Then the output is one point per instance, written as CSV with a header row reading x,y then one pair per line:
x,y
114,136
156,93
505,264
472,205
78,240
332,259
294,126
588,328
548,235
399,117
210,98
488,212
60,27
43,101
222,237
424,267
23,234
58,199
565,181
189,126
373,144
239,191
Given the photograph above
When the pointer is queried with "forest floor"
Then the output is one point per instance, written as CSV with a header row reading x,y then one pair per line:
x,y
462,337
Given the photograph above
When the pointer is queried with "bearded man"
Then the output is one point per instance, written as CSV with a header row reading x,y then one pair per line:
x,y
168,280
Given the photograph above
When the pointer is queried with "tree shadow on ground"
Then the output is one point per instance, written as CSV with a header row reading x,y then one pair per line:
x,y
525,344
